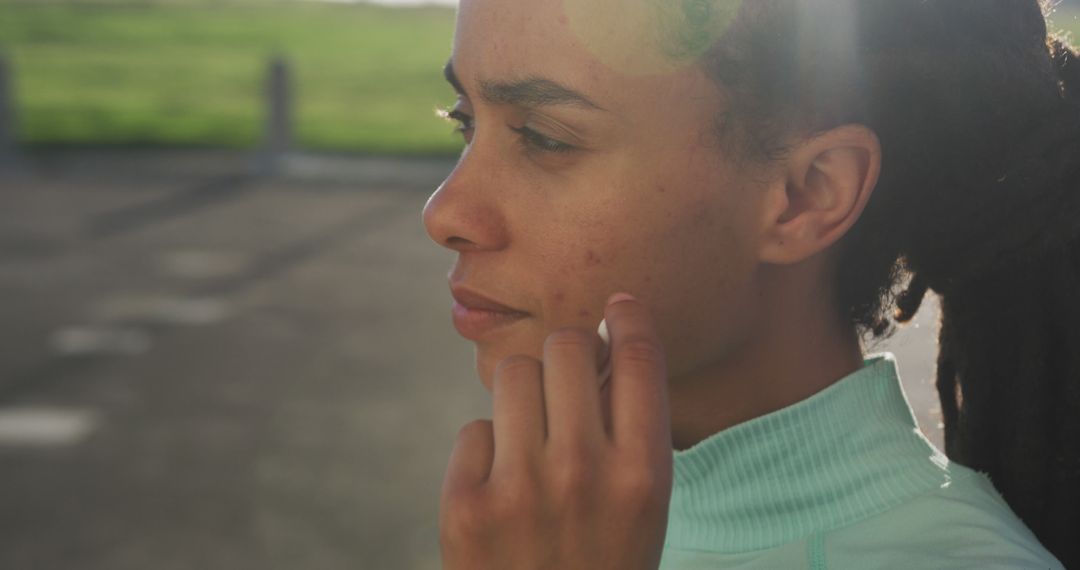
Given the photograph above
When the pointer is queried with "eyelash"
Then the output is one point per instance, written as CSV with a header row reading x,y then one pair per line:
x,y
531,138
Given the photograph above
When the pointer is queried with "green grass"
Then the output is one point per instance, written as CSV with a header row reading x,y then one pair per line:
x,y
185,72
367,78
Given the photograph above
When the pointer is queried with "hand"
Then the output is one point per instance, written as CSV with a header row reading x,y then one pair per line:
x,y
563,478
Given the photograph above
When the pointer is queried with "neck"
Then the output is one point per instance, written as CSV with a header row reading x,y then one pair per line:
x,y
798,348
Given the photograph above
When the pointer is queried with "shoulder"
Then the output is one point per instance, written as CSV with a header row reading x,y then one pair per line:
x,y
963,524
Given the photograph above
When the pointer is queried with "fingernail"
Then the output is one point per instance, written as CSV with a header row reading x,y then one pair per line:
x,y
603,332
604,359
619,297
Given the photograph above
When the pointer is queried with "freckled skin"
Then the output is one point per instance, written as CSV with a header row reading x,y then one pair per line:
x,y
591,259
652,208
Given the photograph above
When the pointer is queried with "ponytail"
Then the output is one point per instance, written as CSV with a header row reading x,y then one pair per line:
x,y
1008,369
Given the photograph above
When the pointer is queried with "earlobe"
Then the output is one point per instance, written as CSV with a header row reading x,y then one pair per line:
x,y
829,180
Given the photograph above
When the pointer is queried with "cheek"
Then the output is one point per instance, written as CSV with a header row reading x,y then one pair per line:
x,y
628,248
574,296
700,303
564,303
576,269
592,259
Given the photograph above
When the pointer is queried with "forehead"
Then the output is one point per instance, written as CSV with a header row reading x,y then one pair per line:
x,y
612,50
538,30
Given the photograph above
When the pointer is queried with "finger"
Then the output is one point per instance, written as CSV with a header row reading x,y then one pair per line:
x,y
639,404
470,461
518,413
571,387
605,406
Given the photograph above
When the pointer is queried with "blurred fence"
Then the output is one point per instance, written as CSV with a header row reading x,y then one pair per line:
x,y
277,139
8,123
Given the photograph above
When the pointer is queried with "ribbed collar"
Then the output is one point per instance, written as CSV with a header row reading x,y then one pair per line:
x,y
846,453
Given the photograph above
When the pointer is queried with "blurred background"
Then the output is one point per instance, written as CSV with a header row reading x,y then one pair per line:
x,y
224,334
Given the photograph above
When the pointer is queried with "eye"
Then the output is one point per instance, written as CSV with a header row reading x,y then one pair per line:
x,y
537,141
532,139
464,121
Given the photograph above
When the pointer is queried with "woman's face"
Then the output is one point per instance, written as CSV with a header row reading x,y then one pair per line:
x,y
591,168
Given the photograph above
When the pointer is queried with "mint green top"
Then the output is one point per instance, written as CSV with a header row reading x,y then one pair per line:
x,y
842,479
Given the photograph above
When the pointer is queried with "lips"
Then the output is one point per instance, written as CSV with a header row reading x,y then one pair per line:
x,y
473,300
477,317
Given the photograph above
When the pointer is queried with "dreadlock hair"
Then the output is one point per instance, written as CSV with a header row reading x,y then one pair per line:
x,y
978,113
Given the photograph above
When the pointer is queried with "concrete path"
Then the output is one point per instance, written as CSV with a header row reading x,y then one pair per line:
x,y
200,369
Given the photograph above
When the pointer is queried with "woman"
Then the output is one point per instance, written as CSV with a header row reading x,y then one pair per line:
x,y
763,183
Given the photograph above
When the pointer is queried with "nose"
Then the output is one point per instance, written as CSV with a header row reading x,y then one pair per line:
x,y
463,214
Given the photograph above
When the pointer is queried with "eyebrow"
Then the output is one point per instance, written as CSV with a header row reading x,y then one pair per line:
x,y
530,92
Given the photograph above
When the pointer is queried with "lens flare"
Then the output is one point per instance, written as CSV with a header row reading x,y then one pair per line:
x,y
642,37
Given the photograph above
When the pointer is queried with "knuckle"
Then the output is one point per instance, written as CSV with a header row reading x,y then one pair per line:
x,y
641,349
568,338
516,365
514,502
474,429
636,482
572,478
465,516
644,488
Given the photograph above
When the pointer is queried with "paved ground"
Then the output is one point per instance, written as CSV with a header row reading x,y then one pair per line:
x,y
200,369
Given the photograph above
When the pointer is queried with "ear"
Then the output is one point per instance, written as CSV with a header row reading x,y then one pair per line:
x,y
829,179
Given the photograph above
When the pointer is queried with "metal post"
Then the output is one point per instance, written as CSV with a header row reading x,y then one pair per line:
x,y
8,125
277,138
